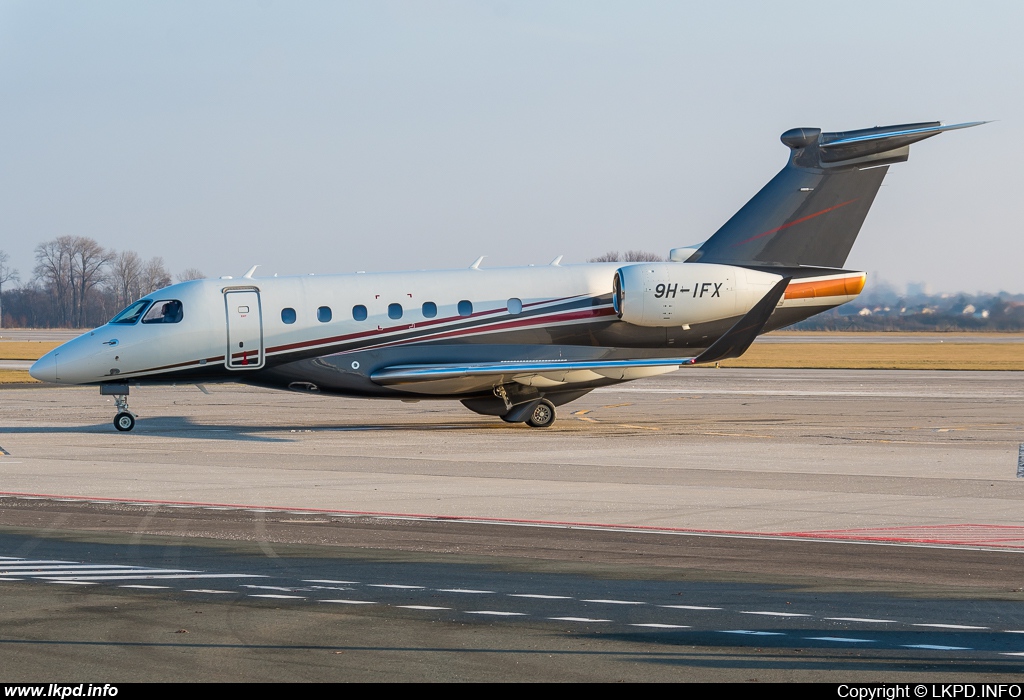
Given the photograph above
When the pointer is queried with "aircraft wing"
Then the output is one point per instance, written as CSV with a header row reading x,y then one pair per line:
x,y
469,377
476,376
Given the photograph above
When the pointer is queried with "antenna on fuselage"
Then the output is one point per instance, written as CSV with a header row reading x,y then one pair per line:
x,y
476,263
248,275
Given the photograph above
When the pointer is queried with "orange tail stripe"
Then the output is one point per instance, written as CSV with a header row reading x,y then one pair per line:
x,y
847,286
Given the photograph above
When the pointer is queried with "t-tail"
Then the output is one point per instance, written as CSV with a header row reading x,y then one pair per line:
x,y
811,212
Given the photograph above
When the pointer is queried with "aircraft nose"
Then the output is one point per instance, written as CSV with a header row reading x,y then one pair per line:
x,y
45,368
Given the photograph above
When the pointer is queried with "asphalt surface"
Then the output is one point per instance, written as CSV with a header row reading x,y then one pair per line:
x,y
707,525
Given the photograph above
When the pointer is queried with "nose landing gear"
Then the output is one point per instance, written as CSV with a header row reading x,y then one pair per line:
x,y
125,419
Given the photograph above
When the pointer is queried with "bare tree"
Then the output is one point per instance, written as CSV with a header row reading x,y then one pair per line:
x,y
190,273
126,277
70,267
88,266
641,256
53,271
630,256
154,276
7,274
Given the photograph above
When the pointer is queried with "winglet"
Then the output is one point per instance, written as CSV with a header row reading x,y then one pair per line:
x,y
248,275
557,262
476,263
738,338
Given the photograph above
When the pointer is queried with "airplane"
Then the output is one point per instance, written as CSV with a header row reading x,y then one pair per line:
x,y
513,343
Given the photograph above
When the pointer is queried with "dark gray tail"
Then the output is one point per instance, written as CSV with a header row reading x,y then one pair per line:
x,y
811,212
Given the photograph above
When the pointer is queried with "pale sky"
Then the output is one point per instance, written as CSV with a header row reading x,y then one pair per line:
x,y
341,136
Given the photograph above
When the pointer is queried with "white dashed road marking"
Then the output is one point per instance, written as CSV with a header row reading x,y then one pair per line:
x,y
772,614
421,607
688,607
276,595
351,602
538,595
494,612
951,627
394,585
577,619
856,619
461,590
755,633
935,647
658,625
839,639
616,602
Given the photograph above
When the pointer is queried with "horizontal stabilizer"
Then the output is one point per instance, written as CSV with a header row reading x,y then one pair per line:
x,y
738,338
811,212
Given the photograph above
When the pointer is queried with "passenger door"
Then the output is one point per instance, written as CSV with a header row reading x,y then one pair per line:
x,y
245,329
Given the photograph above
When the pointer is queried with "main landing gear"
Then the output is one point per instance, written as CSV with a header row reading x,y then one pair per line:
x,y
543,415
125,419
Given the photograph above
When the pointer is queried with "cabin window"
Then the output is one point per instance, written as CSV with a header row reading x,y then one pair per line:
x,y
394,311
323,314
288,315
465,308
514,306
164,311
359,312
132,314
429,309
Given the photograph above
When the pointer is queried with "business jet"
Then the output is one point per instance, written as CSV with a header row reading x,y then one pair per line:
x,y
514,343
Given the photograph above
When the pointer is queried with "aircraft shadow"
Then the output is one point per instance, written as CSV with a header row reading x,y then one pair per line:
x,y
188,428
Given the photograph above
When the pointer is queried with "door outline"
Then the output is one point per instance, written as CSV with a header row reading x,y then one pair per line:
x,y
242,329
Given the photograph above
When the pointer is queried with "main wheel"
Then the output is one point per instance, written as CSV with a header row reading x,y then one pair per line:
x,y
124,421
543,415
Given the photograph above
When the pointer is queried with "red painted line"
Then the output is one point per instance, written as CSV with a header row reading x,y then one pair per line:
x,y
516,521
794,223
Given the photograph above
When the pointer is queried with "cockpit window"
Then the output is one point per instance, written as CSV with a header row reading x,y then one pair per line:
x,y
132,313
164,311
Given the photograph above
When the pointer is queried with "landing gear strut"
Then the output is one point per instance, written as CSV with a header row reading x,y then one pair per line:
x,y
125,419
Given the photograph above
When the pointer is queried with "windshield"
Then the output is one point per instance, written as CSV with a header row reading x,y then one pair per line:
x,y
132,313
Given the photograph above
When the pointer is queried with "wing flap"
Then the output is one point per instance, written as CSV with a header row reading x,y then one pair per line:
x,y
472,377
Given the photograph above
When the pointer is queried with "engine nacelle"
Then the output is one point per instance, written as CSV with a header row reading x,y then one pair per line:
x,y
678,294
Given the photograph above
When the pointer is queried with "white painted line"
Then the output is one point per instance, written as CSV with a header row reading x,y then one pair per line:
x,y
856,619
772,614
70,567
951,627
615,602
276,595
141,585
326,580
1013,631
839,639
1012,653
11,579
149,576
206,590
538,595
421,607
935,647
35,562
72,573
351,602
756,634
492,612
267,588
658,625
577,619
394,585
688,607
461,590
75,583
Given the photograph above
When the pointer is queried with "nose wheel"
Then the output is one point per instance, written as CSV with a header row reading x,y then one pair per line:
x,y
125,419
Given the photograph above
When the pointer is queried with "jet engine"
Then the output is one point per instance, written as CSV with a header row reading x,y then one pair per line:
x,y
678,294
